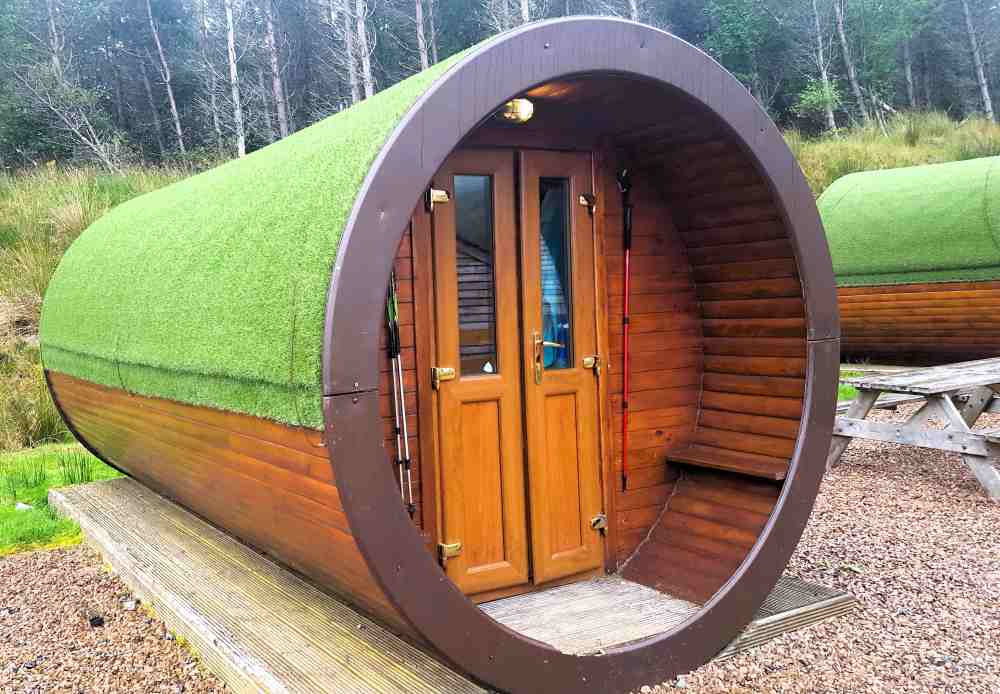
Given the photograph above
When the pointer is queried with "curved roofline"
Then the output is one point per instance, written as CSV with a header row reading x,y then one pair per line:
x,y
466,94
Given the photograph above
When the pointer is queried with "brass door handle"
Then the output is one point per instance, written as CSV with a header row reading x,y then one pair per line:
x,y
540,345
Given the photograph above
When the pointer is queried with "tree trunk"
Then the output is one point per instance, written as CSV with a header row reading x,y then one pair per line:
x,y
266,105
361,9
845,49
421,39
165,75
280,106
911,90
212,81
350,54
824,75
157,126
977,60
433,29
928,100
234,81
525,12
55,39
633,10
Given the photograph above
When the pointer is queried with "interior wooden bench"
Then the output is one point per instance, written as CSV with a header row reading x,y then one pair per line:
x,y
752,464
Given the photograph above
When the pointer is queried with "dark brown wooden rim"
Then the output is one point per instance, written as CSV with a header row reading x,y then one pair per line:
x,y
392,546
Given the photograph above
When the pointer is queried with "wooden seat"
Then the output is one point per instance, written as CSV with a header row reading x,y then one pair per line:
x,y
752,464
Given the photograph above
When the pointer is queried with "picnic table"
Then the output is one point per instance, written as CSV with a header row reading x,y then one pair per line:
x,y
953,394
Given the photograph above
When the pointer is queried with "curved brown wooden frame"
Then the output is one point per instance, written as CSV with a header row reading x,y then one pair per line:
x,y
391,545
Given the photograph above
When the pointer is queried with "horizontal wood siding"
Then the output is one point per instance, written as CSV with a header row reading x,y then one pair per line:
x,y
711,522
270,485
665,354
932,322
409,353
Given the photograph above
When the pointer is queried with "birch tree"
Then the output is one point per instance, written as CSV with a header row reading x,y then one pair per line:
x,y
840,10
363,49
166,77
823,66
421,39
278,89
234,81
978,63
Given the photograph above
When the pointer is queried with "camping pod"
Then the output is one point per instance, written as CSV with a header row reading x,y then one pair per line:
x,y
916,253
223,340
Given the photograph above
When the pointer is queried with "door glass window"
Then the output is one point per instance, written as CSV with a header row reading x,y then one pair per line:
x,y
555,274
474,253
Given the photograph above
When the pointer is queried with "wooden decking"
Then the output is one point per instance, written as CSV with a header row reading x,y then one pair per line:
x,y
260,627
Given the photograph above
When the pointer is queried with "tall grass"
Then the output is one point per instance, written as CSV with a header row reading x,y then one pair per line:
x,y
910,139
41,213
76,467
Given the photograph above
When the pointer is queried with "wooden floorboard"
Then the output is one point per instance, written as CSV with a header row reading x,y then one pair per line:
x,y
260,627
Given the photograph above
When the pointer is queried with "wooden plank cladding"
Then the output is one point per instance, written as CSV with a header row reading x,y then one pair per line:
x,y
666,357
280,492
711,522
932,322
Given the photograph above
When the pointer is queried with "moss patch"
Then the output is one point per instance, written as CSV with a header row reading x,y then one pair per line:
x,y
936,223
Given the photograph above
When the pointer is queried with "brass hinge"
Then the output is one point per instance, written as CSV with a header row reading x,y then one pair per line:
x,y
441,373
593,362
449,550
599,523
435,196
589,200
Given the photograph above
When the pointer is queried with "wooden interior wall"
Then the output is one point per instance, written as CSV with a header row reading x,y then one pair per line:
x,y
408,346
754,359
269,484
933,322
665,355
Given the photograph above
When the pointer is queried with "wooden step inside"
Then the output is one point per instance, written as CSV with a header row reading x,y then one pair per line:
x,y
752,464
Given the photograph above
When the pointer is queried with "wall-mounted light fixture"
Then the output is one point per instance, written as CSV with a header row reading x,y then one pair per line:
x,y
518,110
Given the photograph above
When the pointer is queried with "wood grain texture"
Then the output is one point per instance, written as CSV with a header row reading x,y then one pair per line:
x,y
931,322
268,484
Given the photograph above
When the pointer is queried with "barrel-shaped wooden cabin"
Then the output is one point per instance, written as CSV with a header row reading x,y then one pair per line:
x,y
223,341
916,253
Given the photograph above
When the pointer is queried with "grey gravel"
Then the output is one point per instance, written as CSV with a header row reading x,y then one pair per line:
x,y
63,628
911,534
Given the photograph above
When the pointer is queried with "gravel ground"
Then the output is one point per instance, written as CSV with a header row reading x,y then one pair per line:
x,y
909,532
68,625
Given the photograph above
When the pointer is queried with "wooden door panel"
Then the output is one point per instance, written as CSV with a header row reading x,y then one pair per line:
x,y
480,412
560,401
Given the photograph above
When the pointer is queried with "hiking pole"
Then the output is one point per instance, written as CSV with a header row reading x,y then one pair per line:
x,y
625,186
399,398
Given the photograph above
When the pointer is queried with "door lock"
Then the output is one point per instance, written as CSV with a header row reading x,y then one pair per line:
x,y
589,200
593,362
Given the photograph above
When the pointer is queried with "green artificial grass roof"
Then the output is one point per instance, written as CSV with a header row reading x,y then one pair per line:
x,y
212,291
936,223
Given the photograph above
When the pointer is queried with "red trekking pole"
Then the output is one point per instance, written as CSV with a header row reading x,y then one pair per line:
x,y
625,185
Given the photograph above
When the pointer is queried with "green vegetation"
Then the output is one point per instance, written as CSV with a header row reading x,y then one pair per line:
x,y
846,392
41,213
910,139
26,478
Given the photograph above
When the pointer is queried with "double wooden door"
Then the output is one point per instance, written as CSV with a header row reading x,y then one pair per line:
x,y
518,418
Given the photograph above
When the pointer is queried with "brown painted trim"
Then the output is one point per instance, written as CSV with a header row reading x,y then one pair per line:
x,y
494,72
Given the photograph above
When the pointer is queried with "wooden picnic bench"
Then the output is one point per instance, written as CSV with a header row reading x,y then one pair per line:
x,y
954,394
